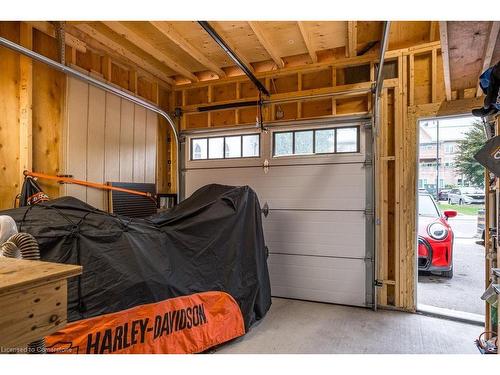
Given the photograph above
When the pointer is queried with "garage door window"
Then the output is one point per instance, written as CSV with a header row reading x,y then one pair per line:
x,y
229,147
320,141
347,140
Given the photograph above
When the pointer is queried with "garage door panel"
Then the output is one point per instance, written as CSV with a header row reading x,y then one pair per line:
x,y
314,187
253,177
322,279
329,187
316,233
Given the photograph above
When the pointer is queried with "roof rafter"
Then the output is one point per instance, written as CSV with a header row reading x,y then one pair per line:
x,y
120,50
445,51
168,30
260,34
144,45
307,40
489,48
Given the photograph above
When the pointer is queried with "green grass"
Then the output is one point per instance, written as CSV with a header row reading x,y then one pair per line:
x,y
464,209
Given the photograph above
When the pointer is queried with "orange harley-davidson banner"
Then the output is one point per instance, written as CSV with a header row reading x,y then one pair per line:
x,y
189,324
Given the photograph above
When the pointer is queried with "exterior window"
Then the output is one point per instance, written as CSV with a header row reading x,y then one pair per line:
x,y
449,148
320,141
225,147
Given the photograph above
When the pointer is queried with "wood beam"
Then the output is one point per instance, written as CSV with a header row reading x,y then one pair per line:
x,y
260,34
123,52
307,40
352,39
488,49
232,46
443,32
144,45
434,26
168,30
25,103
49,29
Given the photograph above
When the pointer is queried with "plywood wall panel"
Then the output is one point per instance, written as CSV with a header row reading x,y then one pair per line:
x,y
150,147
95,145
126,141
107,139
76,146
49,89
139,166
9,130
112,138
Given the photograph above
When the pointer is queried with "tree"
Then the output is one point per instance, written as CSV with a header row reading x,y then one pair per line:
x,y
465,163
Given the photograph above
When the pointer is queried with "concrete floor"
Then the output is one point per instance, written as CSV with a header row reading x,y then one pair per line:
x,y
308,327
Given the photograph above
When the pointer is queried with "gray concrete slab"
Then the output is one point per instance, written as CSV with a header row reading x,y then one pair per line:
x,y
292,327
463,291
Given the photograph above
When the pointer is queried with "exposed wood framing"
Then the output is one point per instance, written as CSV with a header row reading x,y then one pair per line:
x,y
143,44
233,47
489,48
434,31
25,103
443,31
352,38
168,29
50,30
307,40
260,34
121,51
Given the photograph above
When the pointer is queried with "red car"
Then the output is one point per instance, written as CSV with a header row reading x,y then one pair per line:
x,y
435,237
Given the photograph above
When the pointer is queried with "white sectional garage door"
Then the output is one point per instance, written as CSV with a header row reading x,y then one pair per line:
x,y
318,228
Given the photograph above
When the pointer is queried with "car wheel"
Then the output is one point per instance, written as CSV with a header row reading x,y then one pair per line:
x,y
448,274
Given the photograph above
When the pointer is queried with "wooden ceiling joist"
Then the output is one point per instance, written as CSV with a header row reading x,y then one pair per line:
x,y
168,30
143,44
445,51
307,40
260,34
120,50
352,38
233,47
489,48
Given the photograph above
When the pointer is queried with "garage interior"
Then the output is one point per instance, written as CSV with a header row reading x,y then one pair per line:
x,y
177,105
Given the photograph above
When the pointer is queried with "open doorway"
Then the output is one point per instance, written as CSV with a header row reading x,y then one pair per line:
x,y
450,256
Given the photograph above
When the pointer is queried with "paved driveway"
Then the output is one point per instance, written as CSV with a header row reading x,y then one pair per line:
x,y
464,290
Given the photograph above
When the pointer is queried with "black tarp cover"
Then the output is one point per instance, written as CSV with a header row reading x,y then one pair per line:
x,y
212,241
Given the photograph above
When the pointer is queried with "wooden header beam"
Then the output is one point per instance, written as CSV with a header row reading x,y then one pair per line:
x,y
168,30
260,34
144,44
443,31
